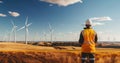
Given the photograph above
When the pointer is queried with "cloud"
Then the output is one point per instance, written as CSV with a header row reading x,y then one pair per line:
x,y
62,2
14,14
101,19
1,1
97,23
2,15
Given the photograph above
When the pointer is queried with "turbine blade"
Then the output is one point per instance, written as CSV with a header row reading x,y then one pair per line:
x,y
12,23
21,28
12,30
15,28
26,20
50,26
29,24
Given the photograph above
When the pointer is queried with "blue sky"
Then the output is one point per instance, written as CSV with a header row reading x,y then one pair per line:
x,y
65,18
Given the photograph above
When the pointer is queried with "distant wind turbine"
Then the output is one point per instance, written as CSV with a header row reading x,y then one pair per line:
x,y
9,35
14,30
4,37
26,29
44,36
51,32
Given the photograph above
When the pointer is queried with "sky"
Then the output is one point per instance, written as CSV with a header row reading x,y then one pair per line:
x,y
66,17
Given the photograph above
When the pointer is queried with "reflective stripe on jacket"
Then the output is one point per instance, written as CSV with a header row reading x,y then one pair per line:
x,y
88,38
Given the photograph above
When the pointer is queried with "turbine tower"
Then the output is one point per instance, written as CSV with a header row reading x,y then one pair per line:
x,y
14,30
44,34
51,33
26,29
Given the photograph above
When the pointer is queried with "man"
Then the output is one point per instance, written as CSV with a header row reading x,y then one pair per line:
x,y
88,40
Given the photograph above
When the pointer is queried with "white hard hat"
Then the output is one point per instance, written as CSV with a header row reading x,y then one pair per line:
x,y
88,22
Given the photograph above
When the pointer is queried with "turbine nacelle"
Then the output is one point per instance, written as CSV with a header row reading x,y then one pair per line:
x,y
26,26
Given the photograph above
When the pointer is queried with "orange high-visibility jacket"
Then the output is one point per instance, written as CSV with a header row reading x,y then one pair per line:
x,y
88,38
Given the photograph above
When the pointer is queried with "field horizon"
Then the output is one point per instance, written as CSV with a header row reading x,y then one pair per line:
x,y
22,53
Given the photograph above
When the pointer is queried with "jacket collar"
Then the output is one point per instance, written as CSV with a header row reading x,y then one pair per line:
x,y
87,28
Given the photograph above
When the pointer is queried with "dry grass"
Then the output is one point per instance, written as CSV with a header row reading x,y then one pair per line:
x,y
21,53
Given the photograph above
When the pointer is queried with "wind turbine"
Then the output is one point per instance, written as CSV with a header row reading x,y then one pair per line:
x,y
9,36
44,33
51,33
4,37
26,29
14,30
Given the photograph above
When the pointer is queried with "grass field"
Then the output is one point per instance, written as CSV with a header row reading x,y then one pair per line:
x,y
22,53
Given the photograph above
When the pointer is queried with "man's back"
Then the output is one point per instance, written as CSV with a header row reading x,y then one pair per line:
x,y
89,40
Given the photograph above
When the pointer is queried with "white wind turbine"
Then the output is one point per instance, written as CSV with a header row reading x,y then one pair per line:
x,y
4,37
44,34
14,30
26,29
51,33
